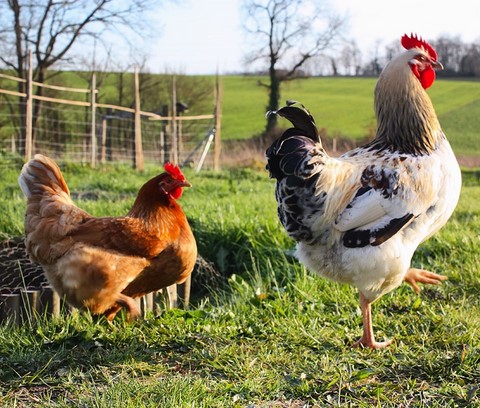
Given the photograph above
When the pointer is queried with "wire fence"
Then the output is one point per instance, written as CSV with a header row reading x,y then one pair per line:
x,y
72,130
64,134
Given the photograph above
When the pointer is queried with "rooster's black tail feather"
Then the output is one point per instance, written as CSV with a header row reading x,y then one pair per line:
x,y
288,150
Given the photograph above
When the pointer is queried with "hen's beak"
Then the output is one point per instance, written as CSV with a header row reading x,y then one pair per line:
x,y
184,183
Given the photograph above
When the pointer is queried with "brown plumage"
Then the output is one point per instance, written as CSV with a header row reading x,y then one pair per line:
x,y
101,264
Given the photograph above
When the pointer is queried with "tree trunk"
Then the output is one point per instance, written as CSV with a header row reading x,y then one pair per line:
x,y
273,98
333,64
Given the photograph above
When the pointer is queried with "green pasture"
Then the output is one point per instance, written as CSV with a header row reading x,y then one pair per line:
x,y
269,334
344,107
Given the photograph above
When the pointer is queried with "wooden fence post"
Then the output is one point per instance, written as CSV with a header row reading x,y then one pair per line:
x,y
103,153
29,110
218,124
139,164
93,103
174,122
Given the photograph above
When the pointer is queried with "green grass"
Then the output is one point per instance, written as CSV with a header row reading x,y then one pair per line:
x,y
344,107
274,336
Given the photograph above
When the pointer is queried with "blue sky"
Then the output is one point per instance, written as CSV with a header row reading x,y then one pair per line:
x,y
201,36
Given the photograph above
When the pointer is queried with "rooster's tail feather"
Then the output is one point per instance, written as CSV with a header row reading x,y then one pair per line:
x,y
301,119
291,152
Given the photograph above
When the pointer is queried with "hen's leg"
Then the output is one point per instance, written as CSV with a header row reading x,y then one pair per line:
x,y
126,302
414,275
112,312
368,338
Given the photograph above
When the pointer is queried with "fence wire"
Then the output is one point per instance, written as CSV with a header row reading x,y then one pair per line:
x,y
64,133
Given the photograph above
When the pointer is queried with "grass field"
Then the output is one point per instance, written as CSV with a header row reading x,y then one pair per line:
x,y
344,107
273,336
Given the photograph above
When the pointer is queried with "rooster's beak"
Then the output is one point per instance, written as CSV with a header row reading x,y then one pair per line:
x,y
184,183
437,65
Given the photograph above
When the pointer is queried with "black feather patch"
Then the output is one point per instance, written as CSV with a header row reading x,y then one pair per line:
x,y
295,159
362,190
300,119
361,238
380,179
286,154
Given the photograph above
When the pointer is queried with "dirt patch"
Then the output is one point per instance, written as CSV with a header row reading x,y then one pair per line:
x,y
251,153
469,161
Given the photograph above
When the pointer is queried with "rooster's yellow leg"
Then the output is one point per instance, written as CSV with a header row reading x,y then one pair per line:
x,y
368,338
415,275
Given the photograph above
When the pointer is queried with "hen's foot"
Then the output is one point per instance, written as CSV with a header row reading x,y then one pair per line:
x,y
112,312
413,276
128,303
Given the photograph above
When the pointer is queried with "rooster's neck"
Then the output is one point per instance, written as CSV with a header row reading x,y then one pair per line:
x,y
406,120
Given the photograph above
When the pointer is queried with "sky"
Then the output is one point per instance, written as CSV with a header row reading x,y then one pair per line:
x,y
206,36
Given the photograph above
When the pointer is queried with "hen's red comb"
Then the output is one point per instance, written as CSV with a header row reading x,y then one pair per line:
x,y
418,42
174,171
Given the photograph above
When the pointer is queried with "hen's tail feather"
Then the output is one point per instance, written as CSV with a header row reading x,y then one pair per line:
x,y
40,176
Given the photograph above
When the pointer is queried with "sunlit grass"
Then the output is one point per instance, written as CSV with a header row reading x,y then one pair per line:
x,y
274,336
344,107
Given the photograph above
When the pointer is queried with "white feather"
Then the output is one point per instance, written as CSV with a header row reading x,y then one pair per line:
x,y
363,212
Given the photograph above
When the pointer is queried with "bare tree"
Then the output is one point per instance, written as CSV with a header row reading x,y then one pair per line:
x,y
50,28
470,64
286,35
374,65
351,58
451,51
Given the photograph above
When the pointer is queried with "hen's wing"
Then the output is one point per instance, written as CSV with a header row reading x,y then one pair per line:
x,y
124,234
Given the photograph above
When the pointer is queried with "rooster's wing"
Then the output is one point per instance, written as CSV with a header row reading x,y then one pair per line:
x,y
390,196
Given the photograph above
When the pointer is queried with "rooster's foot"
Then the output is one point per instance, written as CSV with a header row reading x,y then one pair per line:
x,y
371,343
414,275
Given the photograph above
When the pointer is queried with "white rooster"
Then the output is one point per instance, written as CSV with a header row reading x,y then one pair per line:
x,y
359,218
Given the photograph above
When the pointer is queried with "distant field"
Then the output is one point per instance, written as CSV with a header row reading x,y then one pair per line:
x,y
344,107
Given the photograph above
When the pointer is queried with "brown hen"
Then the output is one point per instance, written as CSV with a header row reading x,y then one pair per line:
x,y
101,264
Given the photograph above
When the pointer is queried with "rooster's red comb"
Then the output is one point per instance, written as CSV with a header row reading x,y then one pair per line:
x,y
413,41
174,171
